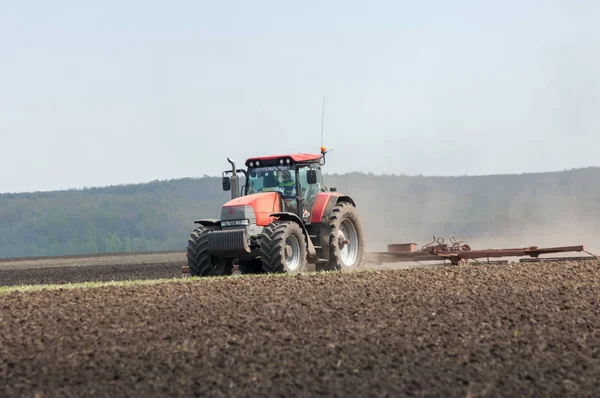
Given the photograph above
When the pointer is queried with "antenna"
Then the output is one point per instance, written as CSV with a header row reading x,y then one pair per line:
x,y
323,149
322,118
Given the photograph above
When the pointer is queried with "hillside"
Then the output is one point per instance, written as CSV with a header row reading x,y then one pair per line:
x,y
541,208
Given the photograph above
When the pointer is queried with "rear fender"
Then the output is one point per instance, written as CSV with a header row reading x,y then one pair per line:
x,y
209,222
324,204
286,216
346,199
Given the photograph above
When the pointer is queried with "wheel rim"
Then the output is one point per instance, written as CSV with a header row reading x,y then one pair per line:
x,y
292,253
348,242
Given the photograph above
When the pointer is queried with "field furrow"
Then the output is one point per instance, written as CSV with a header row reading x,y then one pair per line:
x,y
507,330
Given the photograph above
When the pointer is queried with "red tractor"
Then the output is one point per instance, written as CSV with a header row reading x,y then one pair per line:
x,y
283,219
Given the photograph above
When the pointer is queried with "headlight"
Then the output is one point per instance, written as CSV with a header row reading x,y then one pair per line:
x,y
232,223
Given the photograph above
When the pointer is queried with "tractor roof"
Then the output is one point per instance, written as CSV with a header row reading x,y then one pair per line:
x,y
296,157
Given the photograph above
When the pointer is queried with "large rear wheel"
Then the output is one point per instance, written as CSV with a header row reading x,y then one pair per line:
x,y
200,261
346,238
283,248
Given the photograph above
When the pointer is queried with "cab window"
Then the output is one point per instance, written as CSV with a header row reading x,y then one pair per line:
x,y
309,191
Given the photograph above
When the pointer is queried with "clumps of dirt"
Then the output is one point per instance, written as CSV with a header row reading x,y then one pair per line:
x,y
507,330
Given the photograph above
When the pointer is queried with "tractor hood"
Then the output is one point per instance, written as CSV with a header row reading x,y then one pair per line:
x,y
255,208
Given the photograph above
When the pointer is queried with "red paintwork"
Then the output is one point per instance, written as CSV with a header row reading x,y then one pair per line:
x,y
263,205
297,157
320,205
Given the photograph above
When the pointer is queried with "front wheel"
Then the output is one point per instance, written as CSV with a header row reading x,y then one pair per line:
x,y
200,261
346,238
283,248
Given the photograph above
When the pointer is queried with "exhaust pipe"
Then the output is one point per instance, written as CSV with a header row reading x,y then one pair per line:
x,y
235,184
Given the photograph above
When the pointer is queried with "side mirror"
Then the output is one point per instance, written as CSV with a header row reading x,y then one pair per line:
x,y
311,176
226,183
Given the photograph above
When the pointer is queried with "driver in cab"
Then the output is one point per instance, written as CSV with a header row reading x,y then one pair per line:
x,y
276,181
286,184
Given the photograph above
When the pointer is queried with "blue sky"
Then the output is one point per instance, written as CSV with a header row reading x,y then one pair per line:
x,y
120,92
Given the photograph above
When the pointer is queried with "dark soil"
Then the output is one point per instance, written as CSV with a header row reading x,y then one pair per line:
x,y
508,330
89,273
82,256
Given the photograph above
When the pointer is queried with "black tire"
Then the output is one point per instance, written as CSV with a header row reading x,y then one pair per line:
x,y
250,266
200,261
344,215
277,245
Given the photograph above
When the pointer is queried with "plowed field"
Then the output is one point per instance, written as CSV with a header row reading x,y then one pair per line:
x,y
508,330
75,269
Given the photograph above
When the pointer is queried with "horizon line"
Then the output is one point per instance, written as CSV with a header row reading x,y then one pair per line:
x,y
370,174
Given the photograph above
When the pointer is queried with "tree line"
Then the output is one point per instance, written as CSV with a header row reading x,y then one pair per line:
x,y
159,215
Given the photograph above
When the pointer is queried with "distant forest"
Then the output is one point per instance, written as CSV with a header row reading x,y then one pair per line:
x,y
159,215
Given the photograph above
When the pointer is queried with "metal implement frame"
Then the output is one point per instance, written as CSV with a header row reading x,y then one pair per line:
x,y
459,251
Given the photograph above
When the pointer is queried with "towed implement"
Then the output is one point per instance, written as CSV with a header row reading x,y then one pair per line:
x,y
458,252
283,219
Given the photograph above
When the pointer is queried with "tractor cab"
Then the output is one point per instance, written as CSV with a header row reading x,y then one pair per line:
x,y
296,178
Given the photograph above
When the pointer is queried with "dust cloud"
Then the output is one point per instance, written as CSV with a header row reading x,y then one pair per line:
x,y
510,211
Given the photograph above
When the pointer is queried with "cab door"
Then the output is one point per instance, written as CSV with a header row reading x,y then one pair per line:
x,y
309,191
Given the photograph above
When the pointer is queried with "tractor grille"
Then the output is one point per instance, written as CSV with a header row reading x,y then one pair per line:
x,y
229,241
